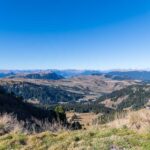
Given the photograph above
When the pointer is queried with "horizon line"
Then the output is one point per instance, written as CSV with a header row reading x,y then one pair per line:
x,y
74,69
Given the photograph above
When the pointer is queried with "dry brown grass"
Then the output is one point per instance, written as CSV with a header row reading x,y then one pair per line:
x,y
86,119
113,104
9,123
50,126
136,120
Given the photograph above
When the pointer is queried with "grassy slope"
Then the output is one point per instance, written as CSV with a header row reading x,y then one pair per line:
x,y
93,139
129,132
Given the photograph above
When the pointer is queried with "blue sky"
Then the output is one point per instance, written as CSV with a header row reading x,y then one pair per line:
x,y
75,34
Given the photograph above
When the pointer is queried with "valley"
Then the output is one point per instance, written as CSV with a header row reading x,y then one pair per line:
x,y
81,88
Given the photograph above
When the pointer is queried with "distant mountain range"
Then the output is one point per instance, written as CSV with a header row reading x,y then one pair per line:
x,y
60,74
116,75
43,76
135,75
3,75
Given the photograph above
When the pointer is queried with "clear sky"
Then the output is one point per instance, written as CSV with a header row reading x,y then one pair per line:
x,y
75,34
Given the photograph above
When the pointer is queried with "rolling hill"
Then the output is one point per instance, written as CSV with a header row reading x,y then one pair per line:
x,y
27,113
131,97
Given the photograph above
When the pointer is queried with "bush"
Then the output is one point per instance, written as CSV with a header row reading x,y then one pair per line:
x,y
76,126
59,109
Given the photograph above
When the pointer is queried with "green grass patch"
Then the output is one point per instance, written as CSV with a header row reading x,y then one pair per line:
x,y
84,139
